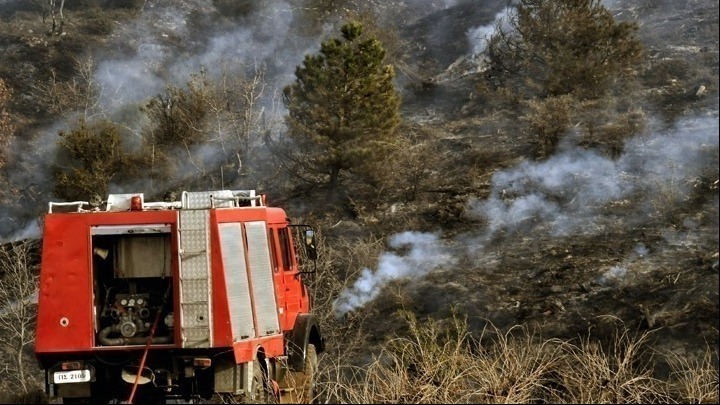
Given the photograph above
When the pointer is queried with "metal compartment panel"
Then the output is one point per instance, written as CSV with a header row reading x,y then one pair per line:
x,y
261,276
195,282
236,281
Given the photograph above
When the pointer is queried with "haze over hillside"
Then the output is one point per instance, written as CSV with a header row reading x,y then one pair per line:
x,y
169,41
619,222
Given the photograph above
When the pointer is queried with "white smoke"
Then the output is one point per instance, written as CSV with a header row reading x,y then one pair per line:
x,y
614,274
567,193
561,190
617,274
641,250
167,51
425,253
29,230
478,37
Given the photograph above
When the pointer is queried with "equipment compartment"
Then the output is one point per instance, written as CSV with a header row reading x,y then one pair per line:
x,y
132,285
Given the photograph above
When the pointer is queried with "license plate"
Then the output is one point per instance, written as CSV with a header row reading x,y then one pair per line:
x,y
72,376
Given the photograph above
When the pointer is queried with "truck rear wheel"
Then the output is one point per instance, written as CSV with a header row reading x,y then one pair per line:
x,y
300,385
259,390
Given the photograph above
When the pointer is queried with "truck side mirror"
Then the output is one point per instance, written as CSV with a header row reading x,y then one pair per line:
x,y
310,247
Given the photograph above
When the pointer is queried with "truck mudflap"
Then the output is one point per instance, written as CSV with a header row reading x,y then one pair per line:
x,y
306,330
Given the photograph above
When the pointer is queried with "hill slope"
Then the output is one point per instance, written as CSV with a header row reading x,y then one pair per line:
x,y
573,245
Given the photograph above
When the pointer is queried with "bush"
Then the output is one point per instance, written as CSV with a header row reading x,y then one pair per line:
x,y
549,119
551,48
89,158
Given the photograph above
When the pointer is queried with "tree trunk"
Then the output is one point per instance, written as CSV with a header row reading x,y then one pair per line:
x,y
332,193
52,15
62,18
60,14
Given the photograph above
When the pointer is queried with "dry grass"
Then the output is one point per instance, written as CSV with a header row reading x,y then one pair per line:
x,y
619,374
442,362
695,381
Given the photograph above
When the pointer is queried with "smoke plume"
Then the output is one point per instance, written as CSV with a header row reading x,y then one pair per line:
x,y
424,253
478,36
569,194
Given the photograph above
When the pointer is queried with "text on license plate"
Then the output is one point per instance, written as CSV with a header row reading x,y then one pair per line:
x,y
72,376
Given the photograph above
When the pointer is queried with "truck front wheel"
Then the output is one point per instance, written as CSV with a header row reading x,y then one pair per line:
x,y
300,385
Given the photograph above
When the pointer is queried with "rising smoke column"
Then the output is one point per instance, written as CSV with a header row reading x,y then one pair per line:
x,y
425,253
479,36
568,192
566,195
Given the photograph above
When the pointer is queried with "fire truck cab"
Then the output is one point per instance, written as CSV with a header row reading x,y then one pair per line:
x,y
184,299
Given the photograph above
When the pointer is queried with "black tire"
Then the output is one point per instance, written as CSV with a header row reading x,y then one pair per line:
x,y
302,383
311,365
259,388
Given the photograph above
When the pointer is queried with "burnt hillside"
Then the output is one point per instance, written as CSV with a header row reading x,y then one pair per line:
x,y
590,238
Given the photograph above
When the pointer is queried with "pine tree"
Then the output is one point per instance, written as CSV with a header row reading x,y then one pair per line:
x,y
343,107
551,48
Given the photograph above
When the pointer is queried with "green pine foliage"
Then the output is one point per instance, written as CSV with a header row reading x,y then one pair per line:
x,y
343,109
551,48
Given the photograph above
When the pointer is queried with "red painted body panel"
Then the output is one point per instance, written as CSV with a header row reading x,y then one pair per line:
x,y
222,333
65,281
245,351
286,280
65,287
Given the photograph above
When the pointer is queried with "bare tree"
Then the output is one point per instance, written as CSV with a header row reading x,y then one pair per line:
x,y
79,94
55,24
18,285
6,127
239,96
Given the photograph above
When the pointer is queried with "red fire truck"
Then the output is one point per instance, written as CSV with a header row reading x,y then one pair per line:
x,y
196,298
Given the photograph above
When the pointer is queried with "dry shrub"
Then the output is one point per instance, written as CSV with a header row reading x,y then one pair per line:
x,y
549,119
671,196
411,166
695,381
337,267
80,93
442,362
617,375
605,125
439,364
518,367
668,198
429,366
